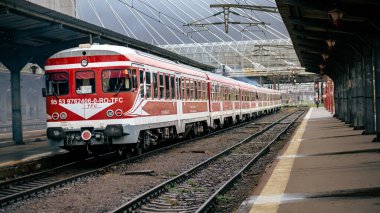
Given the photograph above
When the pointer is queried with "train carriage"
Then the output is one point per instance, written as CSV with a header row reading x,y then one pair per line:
x,y
111,97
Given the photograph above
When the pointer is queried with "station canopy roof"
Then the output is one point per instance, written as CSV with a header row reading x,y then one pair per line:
x,y
31,33
349,26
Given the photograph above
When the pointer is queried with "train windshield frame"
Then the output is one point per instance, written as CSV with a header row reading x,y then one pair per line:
x,y
57,83
119,80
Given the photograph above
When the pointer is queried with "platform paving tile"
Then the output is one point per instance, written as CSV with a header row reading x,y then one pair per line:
x,y
334,169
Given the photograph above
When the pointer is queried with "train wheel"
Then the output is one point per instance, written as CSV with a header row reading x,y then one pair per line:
x,y
123,152
139,148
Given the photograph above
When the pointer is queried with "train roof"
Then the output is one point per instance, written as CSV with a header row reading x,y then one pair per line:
x,y
132,55
152,60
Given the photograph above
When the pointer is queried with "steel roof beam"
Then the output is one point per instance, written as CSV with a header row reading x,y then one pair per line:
x,y
29,10
4,10
357,10
326,25
22,34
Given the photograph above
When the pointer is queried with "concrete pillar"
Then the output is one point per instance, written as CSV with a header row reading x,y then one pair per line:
x,y
342,96
347,99
16,107
359,94
368,84
354,84
342,85
338,97
377,87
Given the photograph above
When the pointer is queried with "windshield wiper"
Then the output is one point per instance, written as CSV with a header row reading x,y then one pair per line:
x,y
118,89
55,95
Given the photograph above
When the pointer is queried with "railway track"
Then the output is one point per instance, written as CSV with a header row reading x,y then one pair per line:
x,y
31,185
25,186
196,189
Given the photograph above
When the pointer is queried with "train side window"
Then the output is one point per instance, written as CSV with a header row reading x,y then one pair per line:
x,y
57,83
222,93
212,91
217,95
167,88
118,80
203,91
183,87
162,86
179,88
85,82
206,90
134,80
195,90
172,86
148,83
191,96
141,83
155,86
191,89
187,84
217,92
199,90
225,94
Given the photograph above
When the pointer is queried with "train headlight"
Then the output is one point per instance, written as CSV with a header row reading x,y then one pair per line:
x,y
55,116
118,112
84,62
86,135
63,115
77,137
110,113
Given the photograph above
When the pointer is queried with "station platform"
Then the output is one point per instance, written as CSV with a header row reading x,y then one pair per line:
x,y
327,167
35,147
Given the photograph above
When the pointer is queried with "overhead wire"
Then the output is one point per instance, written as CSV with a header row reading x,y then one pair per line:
x,y
278,19
164,14
223,20
147,15
96,13
257,65
175,35
76,9
259,26
121,21
191,38
151,35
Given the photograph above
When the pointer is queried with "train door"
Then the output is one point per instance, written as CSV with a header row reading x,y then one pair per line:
x,y
141,90
179,94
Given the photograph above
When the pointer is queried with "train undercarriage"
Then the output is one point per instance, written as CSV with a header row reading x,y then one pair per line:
x,y
113,139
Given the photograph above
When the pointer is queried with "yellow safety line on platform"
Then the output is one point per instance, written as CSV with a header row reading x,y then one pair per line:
x,y
271,195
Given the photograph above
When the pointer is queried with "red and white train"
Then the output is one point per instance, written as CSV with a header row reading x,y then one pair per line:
x,y
106,96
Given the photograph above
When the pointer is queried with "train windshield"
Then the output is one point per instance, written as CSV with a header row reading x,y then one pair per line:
x,y
85,82
118,80
57,83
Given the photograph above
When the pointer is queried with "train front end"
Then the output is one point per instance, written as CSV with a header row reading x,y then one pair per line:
x,y
90,92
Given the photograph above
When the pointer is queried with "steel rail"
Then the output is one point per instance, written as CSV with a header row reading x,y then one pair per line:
x,y
23,194
206,206
143,198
